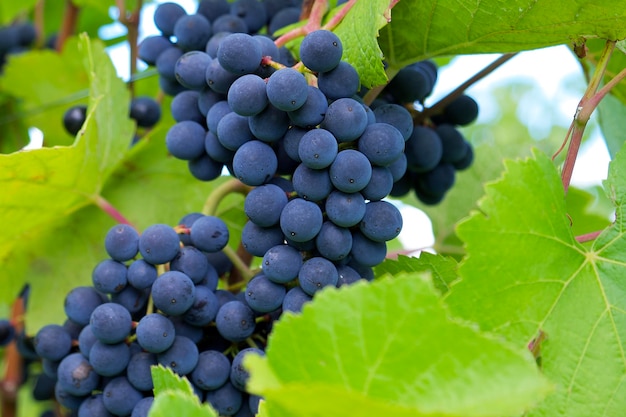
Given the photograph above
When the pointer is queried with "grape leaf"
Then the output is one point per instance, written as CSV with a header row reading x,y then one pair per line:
x,y
389,348
46,95
172,392
526,276
442,268
422,29
611,115
358,32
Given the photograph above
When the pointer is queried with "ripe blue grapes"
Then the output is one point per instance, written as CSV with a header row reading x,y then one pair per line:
x,y
321,51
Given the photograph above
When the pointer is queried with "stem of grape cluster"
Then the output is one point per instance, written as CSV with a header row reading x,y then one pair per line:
x,y
219,193
109,209
585,108
239,264
131,22
68,27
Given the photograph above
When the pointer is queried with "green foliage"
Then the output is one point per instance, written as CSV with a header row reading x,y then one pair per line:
x,y
443,269
525,274
171,392
336,350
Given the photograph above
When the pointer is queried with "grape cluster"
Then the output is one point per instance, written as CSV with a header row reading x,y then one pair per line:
x,y
155,300
436,149
16,38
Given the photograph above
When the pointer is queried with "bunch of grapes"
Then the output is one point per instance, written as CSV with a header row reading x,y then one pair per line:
x,y
436,149
154,301
16,38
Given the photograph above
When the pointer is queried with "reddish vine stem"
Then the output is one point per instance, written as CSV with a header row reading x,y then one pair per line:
x,y
131,22
12,378
39,22
585,108
441,104
588,237
69,24
109,209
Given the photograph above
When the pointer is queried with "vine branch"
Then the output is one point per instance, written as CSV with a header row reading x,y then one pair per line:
x,y
68,27
219,193
109,209
131,22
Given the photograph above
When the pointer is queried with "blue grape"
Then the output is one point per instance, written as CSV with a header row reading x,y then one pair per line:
x,y
142,408
213,9
166,15
121,242
263,295
184,107
235,321
312,184
67,400
159,244
382,221
76,376
93,406
291,142
173,293
438,180
461,111
397,116
345,209
141,274
342,81
132,299
52,342
86,340
247,96
270,125
318,148
452,142
215,150
287,89
281,263
74,118
238,374
312,112
204,308
255,163
283,18
185,140
366,251
120,397
398,167
209,234
206,99
109,276
467,159
110,323
250,11
146,112
151,47
191,262
347,275
381,143
380,184
192,32
351,171
226,400
218,78
268,47
211,278
109,359
412,83
317,273
295,299
423,149
345,119
333,242
185,329
190,69
181,357
138,370
229,23
155,333
171,87
301,220
166,63
239,53
212,370
321,50
256,240
233,131
263,204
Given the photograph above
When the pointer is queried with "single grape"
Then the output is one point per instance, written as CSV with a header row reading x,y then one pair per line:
x,y
74,118
247,96
166,63
110,323
212,370
317,273
312,184
351,171
138,370
109,276
235,321
295,299
397,116
166,15
255,163
281,263
366,251
287,89
467,159
151,47
301,220
283,18
345,119
347,275
192,32
120,397
345,209
381,143
159,244
239,53
226,400
342,81
312,112
52,342
333,242
109,359
76,376
204,308
209,234
155,333
181,357
86,340
452,142
218,78
212,9
185,140
184,107
263,204
230,24
461,111
321,50
141,274
238,374
270,125
145,111
173,293
318,148
250,11
142,408
192,262
438,180
423,149
380,184
382,221
233,131
263,295
257,240
190,69
92,406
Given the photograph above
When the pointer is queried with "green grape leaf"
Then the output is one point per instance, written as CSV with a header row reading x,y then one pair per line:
x,y
389,348
526,277
358,32
442,268
611,116
171,392
9,10
584,218
422,29
14,134
46,95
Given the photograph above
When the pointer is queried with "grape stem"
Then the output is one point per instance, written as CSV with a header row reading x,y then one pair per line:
x,y
588,103
315,13
588,236
69,24
240,266
109,209
218,194
39,22
14,363
457,92
131,22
